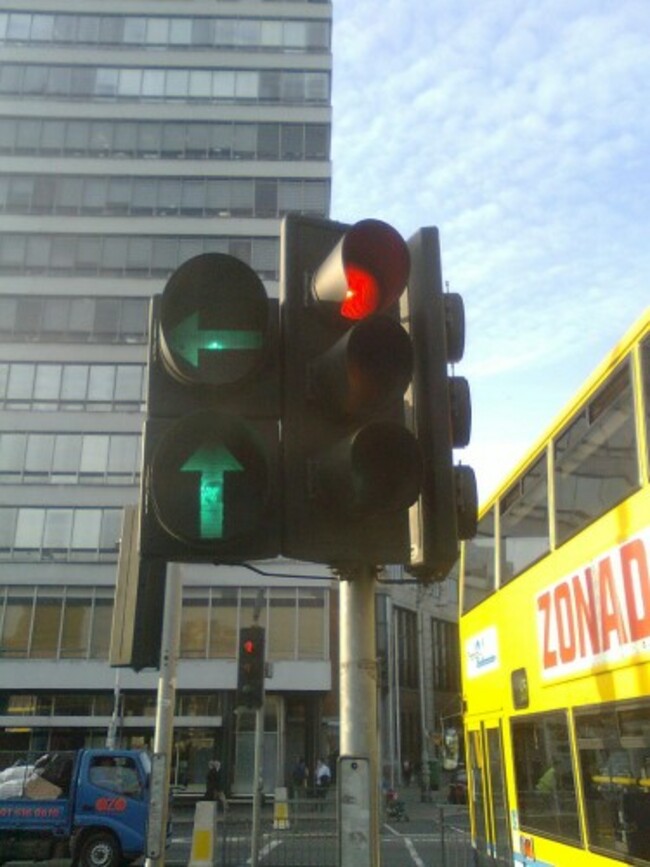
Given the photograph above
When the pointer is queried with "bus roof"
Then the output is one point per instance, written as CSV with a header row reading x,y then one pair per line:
x,y
634,334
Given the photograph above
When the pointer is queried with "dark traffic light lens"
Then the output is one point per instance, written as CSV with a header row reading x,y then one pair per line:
x,y
378,469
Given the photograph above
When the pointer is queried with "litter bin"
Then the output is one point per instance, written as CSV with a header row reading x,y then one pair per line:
x,y
434,775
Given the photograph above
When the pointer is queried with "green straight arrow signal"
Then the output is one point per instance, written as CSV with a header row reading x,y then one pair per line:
x,y
212,463
187,339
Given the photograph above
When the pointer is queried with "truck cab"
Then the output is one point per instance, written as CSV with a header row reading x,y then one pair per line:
x,y
92,805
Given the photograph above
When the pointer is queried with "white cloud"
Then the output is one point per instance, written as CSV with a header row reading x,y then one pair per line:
x,y
521,129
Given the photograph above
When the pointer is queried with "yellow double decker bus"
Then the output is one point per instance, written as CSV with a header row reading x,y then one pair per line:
x,y
555,636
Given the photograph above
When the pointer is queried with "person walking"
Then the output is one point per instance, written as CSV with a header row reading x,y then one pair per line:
x,y
214,784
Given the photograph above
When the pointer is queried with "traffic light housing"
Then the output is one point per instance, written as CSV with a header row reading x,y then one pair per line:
x,y
211,438
446,510
138,609
250,667
351,468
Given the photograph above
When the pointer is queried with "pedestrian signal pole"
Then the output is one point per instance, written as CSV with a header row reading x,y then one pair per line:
x,y
162,747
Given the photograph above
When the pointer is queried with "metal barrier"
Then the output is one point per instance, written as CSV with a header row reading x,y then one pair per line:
x,y
455,846
435,836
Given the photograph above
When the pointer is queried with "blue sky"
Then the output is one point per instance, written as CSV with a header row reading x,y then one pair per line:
x,y
521,128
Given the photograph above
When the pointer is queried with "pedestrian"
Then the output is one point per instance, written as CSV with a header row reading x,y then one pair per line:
x,y
214,784
299,775
323,778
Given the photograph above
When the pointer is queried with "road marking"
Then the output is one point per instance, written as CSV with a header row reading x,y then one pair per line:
x,y
413,853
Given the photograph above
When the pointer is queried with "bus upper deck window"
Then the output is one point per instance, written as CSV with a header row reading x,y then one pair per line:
x,y
596,457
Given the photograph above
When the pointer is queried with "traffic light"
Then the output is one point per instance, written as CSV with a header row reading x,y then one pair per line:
x,y
447,508
209,487
136,631
351,468
250,667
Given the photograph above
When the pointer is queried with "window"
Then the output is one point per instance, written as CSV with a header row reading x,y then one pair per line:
x,y
596,457
614,752
524,522
544,778
116,774
446,657
194,623
312,624
478,581
407,652
223,623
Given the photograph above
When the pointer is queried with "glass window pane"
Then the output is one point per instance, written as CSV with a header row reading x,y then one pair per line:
x,y
58,526
75,382
312,635
180,31
134,30
101,384
86,529
613,748
546,793
38,458
47,624
223,623
194,623
12,452
122,454
94,454
17,622
479,564
524,522
48,382
596,457
111,530
67,451
281,636
76,624
101,627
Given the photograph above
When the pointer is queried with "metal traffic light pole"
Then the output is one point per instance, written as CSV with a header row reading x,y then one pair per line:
x,y
359,826
165,715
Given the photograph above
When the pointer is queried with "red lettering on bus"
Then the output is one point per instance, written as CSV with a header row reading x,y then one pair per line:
x,y
564,618
636,577
586,612
544,605
611,616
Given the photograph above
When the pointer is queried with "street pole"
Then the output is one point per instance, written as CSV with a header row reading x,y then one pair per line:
x,y
424,732
257,786
358,700
170,642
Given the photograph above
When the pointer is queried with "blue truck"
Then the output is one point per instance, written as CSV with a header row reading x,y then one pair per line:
x,y
91,805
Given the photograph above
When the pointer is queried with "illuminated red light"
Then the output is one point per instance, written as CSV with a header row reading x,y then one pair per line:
x,y
249,646
362,297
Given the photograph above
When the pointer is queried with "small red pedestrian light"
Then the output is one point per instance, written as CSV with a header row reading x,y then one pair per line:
x,y
248,646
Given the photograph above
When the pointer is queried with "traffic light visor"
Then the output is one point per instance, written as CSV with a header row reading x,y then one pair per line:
x,y
366,272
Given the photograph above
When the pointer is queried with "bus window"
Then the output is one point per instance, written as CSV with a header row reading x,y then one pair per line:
x,y
614,749
524,522
478,576
546,793
596,458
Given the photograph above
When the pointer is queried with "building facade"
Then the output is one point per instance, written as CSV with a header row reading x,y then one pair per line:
x,y
134,136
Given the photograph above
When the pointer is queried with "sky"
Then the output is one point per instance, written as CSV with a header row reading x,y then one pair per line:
x,y
521,128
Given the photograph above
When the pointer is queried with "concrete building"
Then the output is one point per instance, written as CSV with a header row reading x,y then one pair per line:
x,y
133,136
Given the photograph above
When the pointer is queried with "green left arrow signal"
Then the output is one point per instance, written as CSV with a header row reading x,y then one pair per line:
x,y
212,462
187,339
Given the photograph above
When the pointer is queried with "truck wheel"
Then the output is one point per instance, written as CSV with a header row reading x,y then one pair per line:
x,y
100,849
